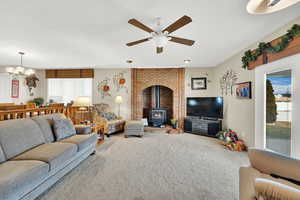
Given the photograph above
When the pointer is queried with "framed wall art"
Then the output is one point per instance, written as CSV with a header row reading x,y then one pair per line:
x,y
243,90
199,83
15,87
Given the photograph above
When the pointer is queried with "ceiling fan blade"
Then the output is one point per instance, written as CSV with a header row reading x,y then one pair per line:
x,y
137,42
138,24
178,24
182,41
159,49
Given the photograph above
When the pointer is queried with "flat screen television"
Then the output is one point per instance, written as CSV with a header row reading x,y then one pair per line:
x,y
210,107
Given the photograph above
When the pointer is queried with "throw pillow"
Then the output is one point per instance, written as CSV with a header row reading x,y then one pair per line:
x,y
109,115
63,128
112,116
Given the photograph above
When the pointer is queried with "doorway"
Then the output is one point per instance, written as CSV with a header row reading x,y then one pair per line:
x,y
277,106
279,111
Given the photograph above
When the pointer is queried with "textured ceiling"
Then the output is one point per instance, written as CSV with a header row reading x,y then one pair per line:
x,y
93,33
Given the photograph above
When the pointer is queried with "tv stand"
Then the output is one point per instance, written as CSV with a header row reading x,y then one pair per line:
x,y
208,118
201,126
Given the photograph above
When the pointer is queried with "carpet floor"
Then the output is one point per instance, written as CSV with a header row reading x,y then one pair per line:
x,y
157,166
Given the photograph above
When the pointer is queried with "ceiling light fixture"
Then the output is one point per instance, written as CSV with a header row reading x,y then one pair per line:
x,y
20,70
273,3
268,6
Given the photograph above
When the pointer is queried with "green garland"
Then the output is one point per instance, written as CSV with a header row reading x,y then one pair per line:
x,y
251,56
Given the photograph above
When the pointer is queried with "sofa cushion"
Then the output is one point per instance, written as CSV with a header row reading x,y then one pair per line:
x,y
63,128
282,166
267,189
45,122
82,141
55,154
17,178
17,136
115,123
2,156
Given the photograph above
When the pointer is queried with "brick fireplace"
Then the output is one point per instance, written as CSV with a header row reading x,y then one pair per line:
x,y
172,79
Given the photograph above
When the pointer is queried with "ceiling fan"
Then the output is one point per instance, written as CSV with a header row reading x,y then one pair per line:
x,y
160,37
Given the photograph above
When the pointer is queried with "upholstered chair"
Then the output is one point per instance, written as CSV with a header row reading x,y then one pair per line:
x,y
271,176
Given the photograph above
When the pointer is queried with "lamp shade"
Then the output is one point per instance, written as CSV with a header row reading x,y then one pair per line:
x,y
119,99
83,102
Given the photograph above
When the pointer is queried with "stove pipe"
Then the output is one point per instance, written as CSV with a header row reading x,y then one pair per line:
x,y
157,96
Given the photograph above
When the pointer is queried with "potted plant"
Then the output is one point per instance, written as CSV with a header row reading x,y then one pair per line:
x,y
174,123
38,101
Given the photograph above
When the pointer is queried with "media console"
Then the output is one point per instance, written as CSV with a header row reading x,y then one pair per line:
x,y
200,126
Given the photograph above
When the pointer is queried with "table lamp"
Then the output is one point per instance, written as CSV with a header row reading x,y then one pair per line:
x,y
83,102
119,100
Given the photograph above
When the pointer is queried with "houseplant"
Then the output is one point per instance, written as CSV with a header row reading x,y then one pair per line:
x,y
174,123
38,101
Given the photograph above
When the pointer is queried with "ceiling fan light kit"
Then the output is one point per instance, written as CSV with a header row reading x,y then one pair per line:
x,y
161,37
268,6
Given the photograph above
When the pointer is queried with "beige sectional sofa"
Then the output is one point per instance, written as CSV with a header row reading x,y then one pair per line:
x,y
271,176
31,160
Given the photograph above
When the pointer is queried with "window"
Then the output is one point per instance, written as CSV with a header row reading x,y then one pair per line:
x,y
65,90
5,88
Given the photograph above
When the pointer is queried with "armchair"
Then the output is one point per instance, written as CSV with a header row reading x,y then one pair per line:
x,y
271,176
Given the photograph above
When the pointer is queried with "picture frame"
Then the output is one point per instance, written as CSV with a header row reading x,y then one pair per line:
x,y
199,83
15,86
244,90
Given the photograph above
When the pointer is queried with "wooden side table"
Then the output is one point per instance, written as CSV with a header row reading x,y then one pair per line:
x,y
99,129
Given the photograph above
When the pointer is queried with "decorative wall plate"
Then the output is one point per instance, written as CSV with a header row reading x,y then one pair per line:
x,y
119,81
104,88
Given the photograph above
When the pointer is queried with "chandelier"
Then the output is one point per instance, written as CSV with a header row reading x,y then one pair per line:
x,y
20,70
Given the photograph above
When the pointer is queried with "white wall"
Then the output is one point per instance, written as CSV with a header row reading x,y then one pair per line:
x,y
101,74
5,88
199,73
239,114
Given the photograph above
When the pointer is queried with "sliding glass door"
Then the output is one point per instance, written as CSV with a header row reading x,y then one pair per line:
x,y
278,107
